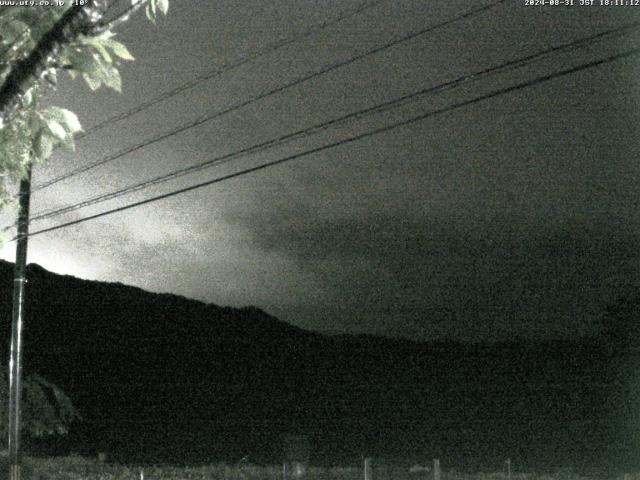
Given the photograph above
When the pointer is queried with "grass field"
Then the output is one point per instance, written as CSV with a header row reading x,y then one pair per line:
x,y
76,468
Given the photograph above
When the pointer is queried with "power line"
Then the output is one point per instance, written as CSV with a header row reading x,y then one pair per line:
x,y
264,95
349,140
506,66
226,68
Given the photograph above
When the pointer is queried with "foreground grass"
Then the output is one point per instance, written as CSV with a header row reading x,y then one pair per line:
x,y
76,468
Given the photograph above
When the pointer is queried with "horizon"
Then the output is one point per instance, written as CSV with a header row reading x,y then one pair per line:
x,y
515,340
203,383
318,231
505,214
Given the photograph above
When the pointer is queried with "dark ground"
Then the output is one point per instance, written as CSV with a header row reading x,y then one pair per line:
x,y
160,378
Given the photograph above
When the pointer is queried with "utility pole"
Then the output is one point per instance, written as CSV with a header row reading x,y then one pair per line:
x,y
15,359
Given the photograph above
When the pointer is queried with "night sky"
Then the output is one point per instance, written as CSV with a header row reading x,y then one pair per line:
x,y
514,216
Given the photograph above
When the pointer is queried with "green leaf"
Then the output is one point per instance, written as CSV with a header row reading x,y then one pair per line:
x,y
112,79
47,409
43,145
12,30
27,98
68,143
56,129
99,43
163,6
40,21
104,53
8,12
66,117
151,11
92,82
103,73
109,75
83,60
119,49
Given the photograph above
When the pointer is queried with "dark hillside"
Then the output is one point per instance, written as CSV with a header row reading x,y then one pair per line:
x,y
163,378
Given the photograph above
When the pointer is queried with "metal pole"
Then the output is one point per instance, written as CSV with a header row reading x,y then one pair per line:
x,y
436,469
368,468
15,360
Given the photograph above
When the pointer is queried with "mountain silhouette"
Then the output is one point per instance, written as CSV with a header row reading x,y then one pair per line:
x,y
162,378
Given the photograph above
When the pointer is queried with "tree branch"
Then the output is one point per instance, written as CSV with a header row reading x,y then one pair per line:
x,y
75,21
102,27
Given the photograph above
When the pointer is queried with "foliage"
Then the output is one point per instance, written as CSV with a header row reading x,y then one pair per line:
x,y
46,409
34,131
154,5
31,134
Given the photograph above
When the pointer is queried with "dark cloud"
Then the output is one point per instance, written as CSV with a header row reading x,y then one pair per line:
x,y
516,215
443,278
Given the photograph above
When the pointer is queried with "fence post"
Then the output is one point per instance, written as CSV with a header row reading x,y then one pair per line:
x,y
508,469
368,468
436,469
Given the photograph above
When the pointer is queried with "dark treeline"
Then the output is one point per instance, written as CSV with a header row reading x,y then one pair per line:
x,y
160,378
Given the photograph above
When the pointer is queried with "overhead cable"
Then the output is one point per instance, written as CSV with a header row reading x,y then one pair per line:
x,y
303,133
355,138
274,91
